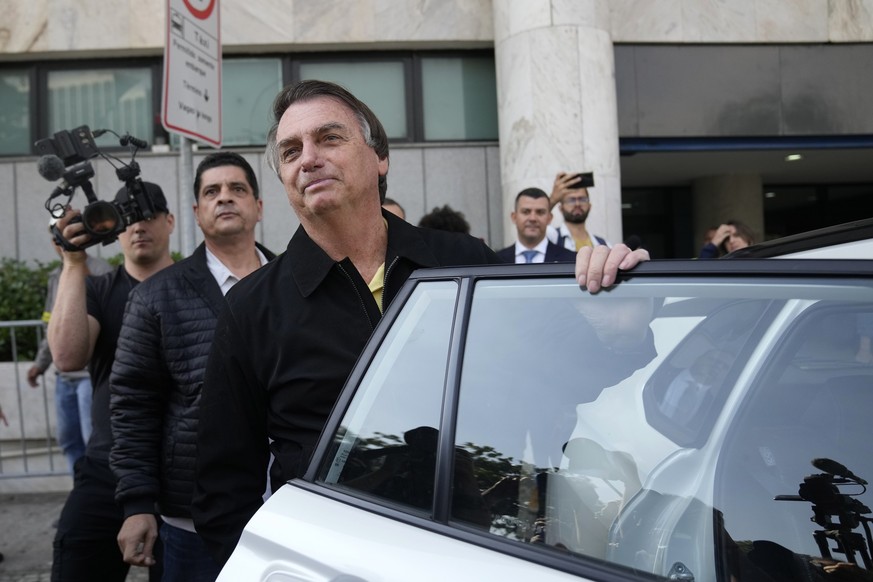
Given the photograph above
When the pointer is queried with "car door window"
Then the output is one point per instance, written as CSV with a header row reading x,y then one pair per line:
x,y
386,445
534,353
567,425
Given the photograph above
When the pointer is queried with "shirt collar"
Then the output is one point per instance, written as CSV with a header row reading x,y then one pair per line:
x,y
311,264
540,248
222,275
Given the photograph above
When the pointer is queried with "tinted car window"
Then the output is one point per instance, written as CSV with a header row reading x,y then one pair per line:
x,y
386,446
683,428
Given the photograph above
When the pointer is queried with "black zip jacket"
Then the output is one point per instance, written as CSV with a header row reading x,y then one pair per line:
x,y
169,321
283,349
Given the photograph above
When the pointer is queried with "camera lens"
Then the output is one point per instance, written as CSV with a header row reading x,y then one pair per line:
x,y
101,218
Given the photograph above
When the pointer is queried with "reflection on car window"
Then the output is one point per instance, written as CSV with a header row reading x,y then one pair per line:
x,y
711,446
686,394
387,443
805,428
532,356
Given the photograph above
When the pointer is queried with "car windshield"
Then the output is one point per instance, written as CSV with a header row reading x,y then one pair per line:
x,y
711,428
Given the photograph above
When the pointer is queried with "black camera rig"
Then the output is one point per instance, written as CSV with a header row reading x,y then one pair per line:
x,y
822,490
67,156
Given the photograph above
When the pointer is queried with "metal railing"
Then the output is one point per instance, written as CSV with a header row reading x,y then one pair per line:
x,y
27,445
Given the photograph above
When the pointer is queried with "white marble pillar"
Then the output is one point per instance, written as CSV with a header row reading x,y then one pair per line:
x,y
718,199
557,102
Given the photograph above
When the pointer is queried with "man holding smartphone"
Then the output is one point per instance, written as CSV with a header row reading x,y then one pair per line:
x,y
571,192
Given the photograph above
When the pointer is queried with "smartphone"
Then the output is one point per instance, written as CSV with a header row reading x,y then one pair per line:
x,y
586,181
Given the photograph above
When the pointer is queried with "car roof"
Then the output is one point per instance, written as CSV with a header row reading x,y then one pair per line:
x,y
850,240
663,267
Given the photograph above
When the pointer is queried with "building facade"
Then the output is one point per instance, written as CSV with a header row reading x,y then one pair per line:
x,y
685,110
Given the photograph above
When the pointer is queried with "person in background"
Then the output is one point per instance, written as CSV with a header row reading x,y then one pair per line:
x,y
72,389
159,365
292,331
728,237
531,217
394,208
445,218
575,204
84,329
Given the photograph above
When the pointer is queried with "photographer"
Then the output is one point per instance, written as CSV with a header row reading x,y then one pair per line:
x,y
84,329
571,192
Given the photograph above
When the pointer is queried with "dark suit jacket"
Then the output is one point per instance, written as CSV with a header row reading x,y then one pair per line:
x,y
554,254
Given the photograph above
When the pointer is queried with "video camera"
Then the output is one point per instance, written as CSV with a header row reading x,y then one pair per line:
x,y
828,502
67,155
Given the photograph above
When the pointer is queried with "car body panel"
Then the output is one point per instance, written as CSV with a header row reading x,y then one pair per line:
x,y
332,541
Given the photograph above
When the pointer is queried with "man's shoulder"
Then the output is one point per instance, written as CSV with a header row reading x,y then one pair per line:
x,y
103,288
259,281
507,254
558,253
453,248
105,280
168,277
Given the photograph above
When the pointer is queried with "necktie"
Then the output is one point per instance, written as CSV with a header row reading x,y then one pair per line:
x,y
529,256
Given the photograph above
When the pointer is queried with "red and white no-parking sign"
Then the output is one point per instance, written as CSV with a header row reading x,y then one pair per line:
x,y
192,70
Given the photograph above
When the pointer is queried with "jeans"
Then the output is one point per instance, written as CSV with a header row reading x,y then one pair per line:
x,y
186,558
73,406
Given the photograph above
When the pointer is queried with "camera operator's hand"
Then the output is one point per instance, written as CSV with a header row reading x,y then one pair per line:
x,y
74,234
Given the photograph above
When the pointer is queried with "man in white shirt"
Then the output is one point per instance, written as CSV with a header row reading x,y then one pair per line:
x,y
159,366
575,203
531,217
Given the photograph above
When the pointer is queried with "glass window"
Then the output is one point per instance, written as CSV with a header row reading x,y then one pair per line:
x,y
15,100
707,430
248,87
116,99
386,446
460,98
381,85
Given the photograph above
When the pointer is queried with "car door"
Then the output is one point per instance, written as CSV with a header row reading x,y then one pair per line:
x,y
505,424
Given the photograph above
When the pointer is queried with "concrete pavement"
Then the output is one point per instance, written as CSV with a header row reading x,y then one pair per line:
x,y
26,534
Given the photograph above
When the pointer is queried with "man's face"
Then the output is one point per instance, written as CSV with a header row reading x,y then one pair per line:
x,y
576,206
324,162
226,204
531,217
147,241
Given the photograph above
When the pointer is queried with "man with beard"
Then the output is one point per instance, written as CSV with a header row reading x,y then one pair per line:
x,y
575,205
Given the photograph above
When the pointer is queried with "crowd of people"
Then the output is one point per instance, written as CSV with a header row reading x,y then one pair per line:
x,y
213,376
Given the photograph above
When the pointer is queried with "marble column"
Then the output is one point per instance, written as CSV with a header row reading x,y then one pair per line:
x,y
718,199
557,102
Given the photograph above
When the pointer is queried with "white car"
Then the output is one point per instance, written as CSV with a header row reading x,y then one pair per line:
x,y
702,420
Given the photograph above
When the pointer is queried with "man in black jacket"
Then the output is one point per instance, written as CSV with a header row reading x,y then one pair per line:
x,y
159,365
291,332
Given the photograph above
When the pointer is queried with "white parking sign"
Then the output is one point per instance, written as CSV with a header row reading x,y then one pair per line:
x,y
192,70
